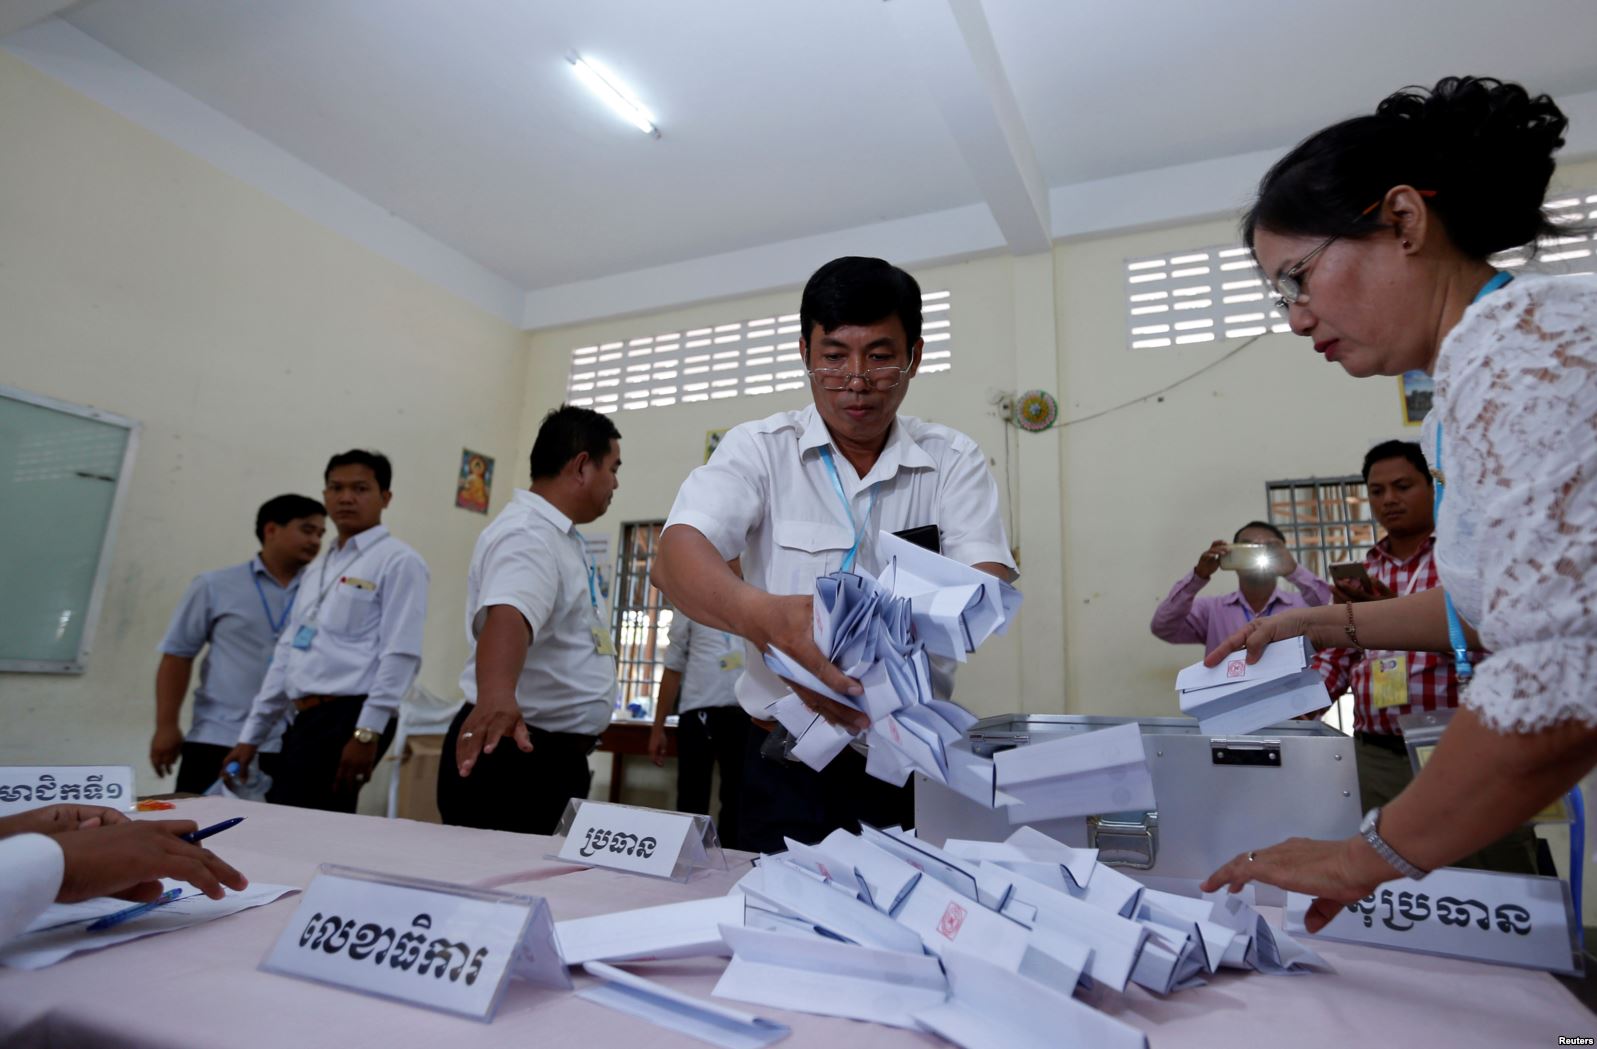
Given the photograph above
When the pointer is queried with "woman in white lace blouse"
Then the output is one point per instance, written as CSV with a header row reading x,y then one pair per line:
x,y
1376,233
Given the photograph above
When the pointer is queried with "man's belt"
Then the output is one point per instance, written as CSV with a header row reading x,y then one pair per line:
x,y
304,703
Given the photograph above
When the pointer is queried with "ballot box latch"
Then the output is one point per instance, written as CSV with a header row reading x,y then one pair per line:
x,y
1125,839
1246,753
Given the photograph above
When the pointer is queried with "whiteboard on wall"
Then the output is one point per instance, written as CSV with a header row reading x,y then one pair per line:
x,y
63,479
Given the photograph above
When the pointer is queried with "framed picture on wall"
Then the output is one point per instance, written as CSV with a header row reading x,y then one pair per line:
x,y
712,440
1416,389
475,483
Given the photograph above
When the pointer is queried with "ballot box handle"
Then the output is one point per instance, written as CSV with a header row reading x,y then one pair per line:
x,y
1125,839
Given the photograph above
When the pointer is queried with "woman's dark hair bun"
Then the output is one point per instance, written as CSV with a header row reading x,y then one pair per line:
x,y
1483,146
1490,148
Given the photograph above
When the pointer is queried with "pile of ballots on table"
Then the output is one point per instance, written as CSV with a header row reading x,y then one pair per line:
x,y
883,633
988,944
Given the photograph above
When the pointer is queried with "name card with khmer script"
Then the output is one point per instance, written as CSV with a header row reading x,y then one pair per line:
x,y
433,944
1508,919
24,787
639,840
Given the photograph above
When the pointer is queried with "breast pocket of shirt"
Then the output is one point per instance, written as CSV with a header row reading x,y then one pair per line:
x,y
806,551
351,610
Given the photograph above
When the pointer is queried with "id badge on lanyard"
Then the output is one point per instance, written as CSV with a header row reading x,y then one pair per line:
x,y
1389,679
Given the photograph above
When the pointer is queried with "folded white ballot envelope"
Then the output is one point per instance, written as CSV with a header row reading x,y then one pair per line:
x,y
1115,941
882,632
1268,950
1077,871
659,1004
878,877
951,921
1236,698
1084,774
956,607
830,978
835,912
688,929
990,1007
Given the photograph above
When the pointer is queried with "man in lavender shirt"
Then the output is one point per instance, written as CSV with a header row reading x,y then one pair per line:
x,y
1184,618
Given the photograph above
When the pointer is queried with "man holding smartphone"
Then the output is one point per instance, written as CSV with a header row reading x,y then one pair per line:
x,y
1388,685
1259,557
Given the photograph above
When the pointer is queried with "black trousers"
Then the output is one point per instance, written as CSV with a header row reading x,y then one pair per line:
x,y
790,798
708,738
313,746
512,790
201,766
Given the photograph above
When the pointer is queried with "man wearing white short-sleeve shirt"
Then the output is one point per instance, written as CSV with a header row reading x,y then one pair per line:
x,y
801,494
349,652
540,682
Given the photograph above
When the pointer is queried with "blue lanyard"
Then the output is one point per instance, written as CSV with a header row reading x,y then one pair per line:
x,y
593,589
842,497
278,624
1455,625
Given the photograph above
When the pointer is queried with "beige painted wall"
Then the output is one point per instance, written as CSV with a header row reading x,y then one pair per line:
x,y
251,343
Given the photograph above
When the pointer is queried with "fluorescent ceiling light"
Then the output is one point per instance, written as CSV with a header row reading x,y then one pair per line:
x,y
613,93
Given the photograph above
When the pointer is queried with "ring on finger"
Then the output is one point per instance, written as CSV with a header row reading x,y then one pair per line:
x,y
467,735
1250,857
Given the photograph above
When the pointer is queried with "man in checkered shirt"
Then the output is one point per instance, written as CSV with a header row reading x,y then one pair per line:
x,y
1388,685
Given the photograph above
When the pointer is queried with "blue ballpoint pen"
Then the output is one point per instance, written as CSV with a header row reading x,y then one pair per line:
x,y
111,921
216,828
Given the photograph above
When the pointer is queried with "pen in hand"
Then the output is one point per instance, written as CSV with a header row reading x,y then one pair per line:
x,y
111,921
205,832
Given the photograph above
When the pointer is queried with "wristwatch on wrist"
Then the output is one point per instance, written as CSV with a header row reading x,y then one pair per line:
x,y
365,735
1367,829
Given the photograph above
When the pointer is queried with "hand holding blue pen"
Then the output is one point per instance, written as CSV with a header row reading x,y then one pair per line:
x,y
111,921
130,860
215,828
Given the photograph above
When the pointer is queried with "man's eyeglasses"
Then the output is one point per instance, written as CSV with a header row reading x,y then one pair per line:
x,y
835,379
1292,286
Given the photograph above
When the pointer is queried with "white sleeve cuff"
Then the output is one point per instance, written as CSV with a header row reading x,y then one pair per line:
x,y
34,867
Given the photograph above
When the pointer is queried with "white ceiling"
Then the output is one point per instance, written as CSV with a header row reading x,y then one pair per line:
x,y
782,119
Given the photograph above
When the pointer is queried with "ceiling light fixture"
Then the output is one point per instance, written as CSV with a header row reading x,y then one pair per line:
x,y
613,93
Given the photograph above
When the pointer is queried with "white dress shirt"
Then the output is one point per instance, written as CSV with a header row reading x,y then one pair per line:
x,y
33,866
709,660
234,611
367,603
766,496
532,559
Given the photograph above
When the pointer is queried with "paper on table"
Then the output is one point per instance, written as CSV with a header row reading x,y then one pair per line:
x,y
659,1004
829,978
1169,909
849,860
950,921
1115,941
61,931
1268,950
790,889
688,929
1076,871
1078,775
992,1008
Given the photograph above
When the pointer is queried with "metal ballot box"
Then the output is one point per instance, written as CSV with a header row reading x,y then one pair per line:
x,y
1216,796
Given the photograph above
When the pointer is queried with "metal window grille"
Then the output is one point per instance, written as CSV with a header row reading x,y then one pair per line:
x,y
640,618
1324,519
1202,295
737,359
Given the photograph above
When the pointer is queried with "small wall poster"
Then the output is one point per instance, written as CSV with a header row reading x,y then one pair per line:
x,y
475,482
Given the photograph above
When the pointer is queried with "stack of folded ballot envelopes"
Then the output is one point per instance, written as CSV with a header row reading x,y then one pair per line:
x,y
882,633
983,943
1237,697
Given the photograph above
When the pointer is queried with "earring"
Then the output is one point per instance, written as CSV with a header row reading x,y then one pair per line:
x,y
1407,245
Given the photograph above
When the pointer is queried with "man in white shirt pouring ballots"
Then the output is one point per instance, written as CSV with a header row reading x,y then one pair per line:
x,y
802,494
540,682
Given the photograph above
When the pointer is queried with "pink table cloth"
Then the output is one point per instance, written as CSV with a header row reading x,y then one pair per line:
x,y
200,987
